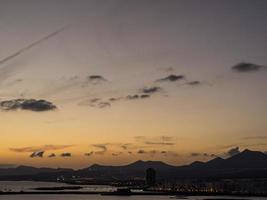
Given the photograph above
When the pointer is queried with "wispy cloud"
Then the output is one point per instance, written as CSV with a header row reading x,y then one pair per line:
x,y
258,137
103,148
40,148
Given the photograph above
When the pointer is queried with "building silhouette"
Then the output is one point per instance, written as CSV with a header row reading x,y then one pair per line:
x,y
150,177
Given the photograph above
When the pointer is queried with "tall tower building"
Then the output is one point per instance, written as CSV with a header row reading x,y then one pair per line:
x,y
150,177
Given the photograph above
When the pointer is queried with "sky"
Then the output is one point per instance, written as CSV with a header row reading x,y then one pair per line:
x,y
112,82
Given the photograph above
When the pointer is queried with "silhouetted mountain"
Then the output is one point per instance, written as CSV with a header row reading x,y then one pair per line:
x,y
247,164
246,159
27,172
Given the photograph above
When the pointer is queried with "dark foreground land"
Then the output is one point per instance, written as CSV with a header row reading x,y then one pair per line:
x,y
133,193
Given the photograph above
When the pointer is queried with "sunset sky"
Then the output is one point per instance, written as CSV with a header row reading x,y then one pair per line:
x,y
121,80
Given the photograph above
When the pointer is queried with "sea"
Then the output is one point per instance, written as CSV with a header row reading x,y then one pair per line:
x,y
30,185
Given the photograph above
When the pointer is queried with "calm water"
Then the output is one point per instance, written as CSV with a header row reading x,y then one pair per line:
x,y
27,186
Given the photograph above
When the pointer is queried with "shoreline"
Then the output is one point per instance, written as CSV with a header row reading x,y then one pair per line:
x,y
131,194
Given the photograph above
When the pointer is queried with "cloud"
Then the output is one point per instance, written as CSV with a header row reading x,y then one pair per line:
x,y
259,137
132,97
136,96
89,154
160,143
27,104
65,154
248,67
125,146
52,155
233,151
103,104
40,148
143,96
171,78
202,154
113,99
195,154
37,154
141,151
116,154
162,140
151,90
96,79
194,83
103,148
95,102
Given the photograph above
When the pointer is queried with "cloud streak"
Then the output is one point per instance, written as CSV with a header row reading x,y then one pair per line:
x,y
171,78
30,46
247,67
151,90
40,148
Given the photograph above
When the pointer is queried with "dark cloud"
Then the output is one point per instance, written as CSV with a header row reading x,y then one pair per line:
x,y
132,97
27,104
143,96
195,154
113,99
40,148
248,67
203,154
52,155
141,151
37,154
194,83
96,79
65,154
151,90
89,154
233,151
136,96
171,78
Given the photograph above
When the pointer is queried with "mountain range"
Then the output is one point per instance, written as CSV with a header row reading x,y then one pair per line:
x,y
247,164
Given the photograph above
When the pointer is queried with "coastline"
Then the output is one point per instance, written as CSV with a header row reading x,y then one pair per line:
x,y
131,194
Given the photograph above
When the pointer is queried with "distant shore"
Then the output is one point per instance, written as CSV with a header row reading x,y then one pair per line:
x,y
132,193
